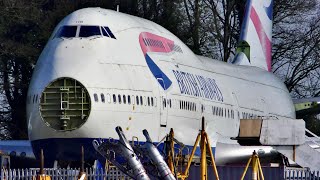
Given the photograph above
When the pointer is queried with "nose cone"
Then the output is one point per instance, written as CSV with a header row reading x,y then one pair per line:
x,y
65,104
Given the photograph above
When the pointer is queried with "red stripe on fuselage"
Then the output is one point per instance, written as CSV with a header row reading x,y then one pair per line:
x,y
264,40
153,46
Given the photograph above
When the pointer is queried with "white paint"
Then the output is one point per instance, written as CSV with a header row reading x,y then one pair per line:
x,y
117,66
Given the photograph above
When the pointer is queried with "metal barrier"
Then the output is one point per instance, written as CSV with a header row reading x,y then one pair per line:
x,y
225,173
63,174
305,174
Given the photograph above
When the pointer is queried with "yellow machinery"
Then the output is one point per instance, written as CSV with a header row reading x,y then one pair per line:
x,y
204,146
256,167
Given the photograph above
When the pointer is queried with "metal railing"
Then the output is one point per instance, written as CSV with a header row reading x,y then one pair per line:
x,y
315,139
225,173
63,174
301,174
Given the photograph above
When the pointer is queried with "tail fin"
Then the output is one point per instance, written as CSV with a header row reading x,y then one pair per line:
x,y
254,46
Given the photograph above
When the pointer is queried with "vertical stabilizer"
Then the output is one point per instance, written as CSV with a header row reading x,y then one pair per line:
x,y
254,47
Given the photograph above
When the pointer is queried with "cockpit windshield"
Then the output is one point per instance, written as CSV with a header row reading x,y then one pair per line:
x,y
87,31
67,32
84,31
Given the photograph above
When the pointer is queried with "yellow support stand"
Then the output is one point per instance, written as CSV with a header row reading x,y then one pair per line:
x,y
204,146
42,175
256,167
171,152
82,175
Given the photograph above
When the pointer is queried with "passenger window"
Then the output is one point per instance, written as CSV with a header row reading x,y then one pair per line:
x,y
87,31
37,98
148,101
108,98
129,99
114,98
124,99
151,101
170,103
137,100
119,98
67,31
102,98
228,113
164,103
95,97
141,100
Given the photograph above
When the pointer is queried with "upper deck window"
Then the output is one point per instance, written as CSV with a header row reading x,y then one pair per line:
x,y
67,31
87,31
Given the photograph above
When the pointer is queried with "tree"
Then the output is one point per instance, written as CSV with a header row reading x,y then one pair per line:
x,y
296,45
214,27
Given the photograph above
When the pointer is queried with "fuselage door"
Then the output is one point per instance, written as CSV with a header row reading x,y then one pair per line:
x,y
163,104
235,114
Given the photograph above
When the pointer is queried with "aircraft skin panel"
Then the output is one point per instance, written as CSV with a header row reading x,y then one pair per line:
x,y
184,86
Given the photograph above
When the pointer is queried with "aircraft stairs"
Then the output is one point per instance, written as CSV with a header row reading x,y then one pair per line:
x,y
286,135
305,155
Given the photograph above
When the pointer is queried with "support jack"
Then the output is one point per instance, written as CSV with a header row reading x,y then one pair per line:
x,y
204,146
256,167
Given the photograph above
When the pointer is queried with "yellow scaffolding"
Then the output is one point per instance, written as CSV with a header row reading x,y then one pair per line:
x,y
204,146
256,167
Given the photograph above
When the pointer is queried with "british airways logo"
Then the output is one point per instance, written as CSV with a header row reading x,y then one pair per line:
x,y
153,43
190,84
199,86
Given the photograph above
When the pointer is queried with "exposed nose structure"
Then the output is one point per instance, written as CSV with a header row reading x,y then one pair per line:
x,y
65,104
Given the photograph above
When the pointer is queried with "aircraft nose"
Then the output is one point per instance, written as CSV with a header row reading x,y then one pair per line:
x,y
65,104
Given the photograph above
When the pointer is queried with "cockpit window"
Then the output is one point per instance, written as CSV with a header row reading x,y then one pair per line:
x,y
67,31
87,31
107,32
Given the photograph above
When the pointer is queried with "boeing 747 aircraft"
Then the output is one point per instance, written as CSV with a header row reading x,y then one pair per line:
x,y
101,69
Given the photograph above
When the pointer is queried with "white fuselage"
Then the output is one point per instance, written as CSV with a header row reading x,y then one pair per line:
x,y
222,93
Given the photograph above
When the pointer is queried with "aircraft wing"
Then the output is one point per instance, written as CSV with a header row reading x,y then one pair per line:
x,y
307,106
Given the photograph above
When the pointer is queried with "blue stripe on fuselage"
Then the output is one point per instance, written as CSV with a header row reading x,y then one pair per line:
x,y
158,74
